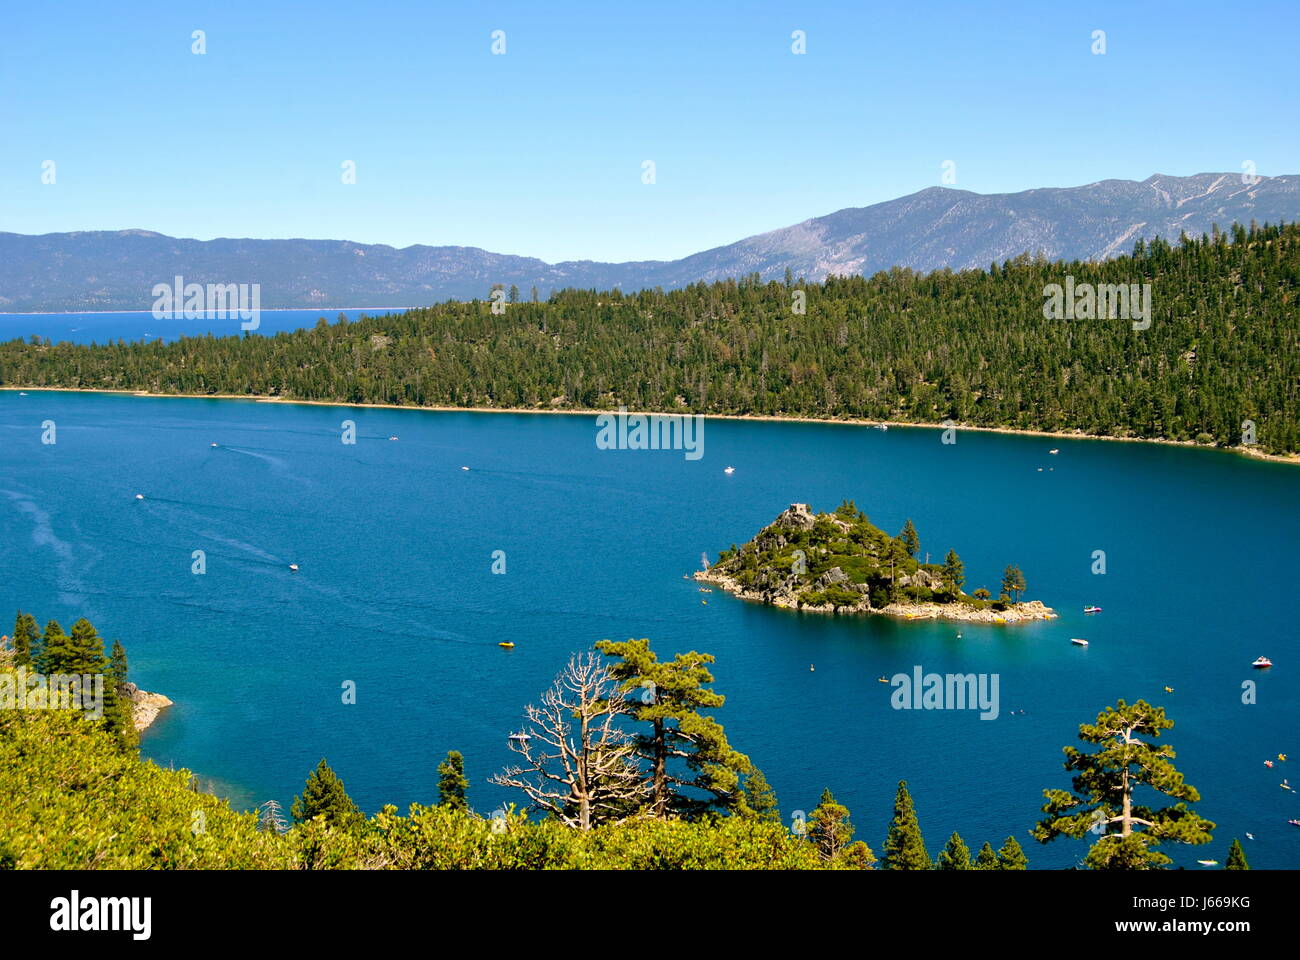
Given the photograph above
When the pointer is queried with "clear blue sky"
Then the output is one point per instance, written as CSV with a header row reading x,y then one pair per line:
x,y
539,151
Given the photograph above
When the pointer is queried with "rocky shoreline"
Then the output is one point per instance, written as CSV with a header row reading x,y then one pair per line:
x,y
1015,613
145,706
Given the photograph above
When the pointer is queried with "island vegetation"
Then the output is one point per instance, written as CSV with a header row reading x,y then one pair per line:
x,y
621,766
842,563
1217,364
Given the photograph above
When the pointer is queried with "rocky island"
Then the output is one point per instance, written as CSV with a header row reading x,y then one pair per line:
x,y
841,563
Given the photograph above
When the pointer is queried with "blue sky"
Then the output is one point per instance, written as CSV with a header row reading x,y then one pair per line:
x,y
540,151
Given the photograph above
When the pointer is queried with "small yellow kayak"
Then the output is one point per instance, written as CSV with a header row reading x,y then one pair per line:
x,y
509,645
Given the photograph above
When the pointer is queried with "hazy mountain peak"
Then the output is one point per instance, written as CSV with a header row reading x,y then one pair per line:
x,y
930,229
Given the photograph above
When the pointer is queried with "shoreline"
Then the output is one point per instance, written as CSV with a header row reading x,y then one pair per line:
x,y
1293,459
1025,611
95,313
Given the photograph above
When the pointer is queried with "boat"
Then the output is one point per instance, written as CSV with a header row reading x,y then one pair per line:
x,y
464,468
520,737
293,567
706,589
1208,863
1294,823
392,438
881,680
811,668
705,602
1282,757
1261,662
1053,452
729,470
1092,609
1268,763
508,644
882,426
1169,689
1076,640
139,496
214,444
999,619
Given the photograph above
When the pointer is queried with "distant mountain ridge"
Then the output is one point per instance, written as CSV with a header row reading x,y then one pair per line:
x,y
933,228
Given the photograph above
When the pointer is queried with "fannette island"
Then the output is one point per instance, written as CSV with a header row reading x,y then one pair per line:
x,y
842,563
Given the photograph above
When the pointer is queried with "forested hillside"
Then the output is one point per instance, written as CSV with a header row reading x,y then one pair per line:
x,y
974,347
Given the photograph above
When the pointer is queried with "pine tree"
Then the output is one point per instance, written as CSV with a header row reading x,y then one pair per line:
x,y
760,799
904,846
1012,856
85,651
829,828
55,650
1236,857
909,537
955,855
452,784
1104,783
669,696
987,859
1013,581
117,663
324,796
954,573
26,639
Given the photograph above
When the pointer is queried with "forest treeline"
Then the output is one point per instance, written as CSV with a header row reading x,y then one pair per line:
x,y
973,347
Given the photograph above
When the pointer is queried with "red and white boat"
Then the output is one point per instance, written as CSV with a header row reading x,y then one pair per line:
x,y
1092,609
1262,662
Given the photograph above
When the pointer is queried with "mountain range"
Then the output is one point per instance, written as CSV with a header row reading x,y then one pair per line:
x,y
931,229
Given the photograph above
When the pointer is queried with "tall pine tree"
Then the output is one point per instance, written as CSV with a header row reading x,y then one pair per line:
x,y
669,696
955,855
324,796
452,784
904,846
1236,857
26,639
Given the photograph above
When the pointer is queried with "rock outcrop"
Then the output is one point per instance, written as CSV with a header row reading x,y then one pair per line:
x,y
145,705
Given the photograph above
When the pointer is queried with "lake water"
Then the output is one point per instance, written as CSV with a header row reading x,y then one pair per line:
x,y
103,327
396,594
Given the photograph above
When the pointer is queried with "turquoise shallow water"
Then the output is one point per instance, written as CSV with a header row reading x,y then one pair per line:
x,y
396,593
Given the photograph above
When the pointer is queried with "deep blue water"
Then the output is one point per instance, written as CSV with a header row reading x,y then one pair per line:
x,y
396,593
143,325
